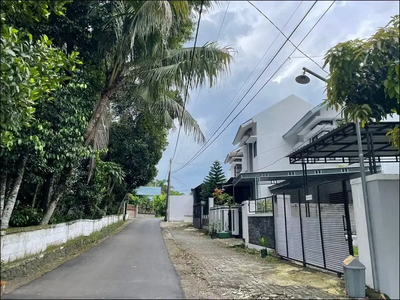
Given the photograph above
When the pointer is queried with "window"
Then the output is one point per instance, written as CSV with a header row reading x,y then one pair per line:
x,y
237,170
249,158
255,149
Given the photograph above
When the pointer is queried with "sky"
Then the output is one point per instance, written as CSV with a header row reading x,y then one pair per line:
x,y
250,34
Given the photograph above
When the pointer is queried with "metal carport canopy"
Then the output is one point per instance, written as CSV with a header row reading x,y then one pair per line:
x,y
283,175
340,146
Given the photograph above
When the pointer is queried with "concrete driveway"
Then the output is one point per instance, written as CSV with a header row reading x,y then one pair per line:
x,y
133,264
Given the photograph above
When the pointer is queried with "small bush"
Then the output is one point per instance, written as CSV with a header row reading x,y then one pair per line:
x,y
25,216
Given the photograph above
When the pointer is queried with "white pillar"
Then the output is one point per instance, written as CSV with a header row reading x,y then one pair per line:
x,y
245,222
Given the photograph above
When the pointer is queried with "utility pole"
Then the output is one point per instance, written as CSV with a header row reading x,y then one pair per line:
x,y
168,188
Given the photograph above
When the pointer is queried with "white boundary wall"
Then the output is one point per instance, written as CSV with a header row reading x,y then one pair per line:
x,y
21,244
180,208
383,196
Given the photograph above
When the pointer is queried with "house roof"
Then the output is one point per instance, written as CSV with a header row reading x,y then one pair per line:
x,y
148,191
303,121
242,130
234,153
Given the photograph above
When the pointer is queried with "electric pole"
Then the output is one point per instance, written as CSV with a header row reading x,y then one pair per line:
x,y
168,188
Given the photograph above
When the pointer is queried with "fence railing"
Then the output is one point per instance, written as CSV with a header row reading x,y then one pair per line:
x,y
261,205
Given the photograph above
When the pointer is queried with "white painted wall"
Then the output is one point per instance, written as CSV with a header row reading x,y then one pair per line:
x,y
383,196
180,207
19,245
271,125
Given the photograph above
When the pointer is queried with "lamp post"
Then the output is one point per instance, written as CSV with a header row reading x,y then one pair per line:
x,y
304,79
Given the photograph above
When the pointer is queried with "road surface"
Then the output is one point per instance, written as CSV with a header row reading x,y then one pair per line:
x,y
133,264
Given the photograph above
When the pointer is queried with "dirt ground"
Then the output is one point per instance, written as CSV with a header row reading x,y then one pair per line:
x,y
217,269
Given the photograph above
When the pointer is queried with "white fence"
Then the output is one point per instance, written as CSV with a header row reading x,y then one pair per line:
x,y
21,244
219,219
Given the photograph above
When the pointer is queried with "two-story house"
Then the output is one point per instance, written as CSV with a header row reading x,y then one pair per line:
x,y
264,141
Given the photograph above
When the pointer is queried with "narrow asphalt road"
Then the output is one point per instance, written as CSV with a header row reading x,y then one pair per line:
x,y
133,264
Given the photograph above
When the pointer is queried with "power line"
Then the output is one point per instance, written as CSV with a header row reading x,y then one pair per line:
x,y
313,56
298,49
252,72
237,104
180,181
193,158
190,77
276,54
223,20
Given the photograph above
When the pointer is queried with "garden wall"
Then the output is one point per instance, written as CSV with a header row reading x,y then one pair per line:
x,y
31,240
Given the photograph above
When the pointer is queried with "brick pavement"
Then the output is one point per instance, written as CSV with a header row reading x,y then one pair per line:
x,y
242,275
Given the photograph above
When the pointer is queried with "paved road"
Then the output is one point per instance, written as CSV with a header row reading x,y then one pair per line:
x,y
132,264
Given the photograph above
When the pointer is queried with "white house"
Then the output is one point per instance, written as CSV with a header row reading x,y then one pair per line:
x,y
264,141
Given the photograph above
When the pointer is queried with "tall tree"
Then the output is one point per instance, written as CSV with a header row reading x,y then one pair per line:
x,y
142,48
364,77
213,180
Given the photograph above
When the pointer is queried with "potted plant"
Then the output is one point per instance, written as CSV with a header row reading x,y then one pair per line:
x,y
264,251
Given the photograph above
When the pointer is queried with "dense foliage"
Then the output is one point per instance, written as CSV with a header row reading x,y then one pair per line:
x,y
364,77
89,92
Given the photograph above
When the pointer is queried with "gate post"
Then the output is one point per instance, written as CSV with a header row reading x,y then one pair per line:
x,y
347,216
301,229
320,226
284,212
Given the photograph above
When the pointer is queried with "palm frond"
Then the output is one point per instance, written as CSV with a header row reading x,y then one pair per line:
x,y
167,106
209,61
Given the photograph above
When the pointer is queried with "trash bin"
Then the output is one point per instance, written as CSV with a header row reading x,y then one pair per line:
x,y
354,277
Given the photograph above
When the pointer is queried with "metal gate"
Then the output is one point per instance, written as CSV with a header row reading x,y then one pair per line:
x,y
315,230
197,215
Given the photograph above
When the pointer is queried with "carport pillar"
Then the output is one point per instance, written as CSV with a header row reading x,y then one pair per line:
x,y
366,203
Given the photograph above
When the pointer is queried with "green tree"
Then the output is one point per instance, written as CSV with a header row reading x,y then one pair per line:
x,y
213,180
33,71
364,77
159,205
140,41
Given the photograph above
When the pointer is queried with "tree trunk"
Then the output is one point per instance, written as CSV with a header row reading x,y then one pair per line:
x,y
12,196
35,195
3,184
57,194
48,190
99,111
50,210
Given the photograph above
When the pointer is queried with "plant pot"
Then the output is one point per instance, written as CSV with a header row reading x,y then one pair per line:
x,y
214,235
224,235
264,253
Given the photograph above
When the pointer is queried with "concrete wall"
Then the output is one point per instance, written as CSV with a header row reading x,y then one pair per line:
x,y
180,207
383,199
19,245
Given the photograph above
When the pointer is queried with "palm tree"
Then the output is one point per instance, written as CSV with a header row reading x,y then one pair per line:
x,y
146,62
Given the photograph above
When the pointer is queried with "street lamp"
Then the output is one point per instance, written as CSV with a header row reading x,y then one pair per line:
x,y
304,79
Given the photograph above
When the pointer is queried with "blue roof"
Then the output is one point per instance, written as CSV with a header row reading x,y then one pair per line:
x,y
148,191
